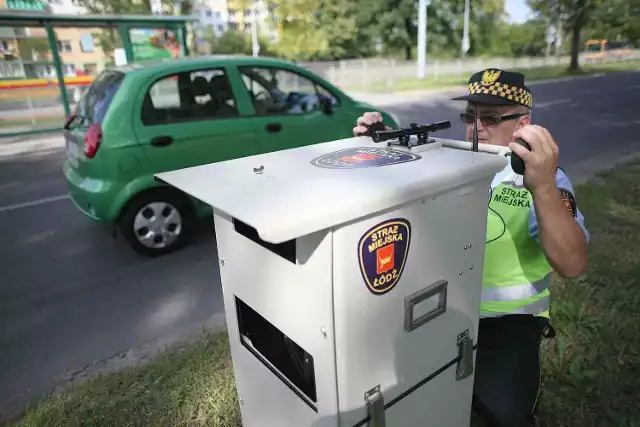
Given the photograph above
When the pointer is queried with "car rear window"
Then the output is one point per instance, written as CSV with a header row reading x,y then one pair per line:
x,y
95,103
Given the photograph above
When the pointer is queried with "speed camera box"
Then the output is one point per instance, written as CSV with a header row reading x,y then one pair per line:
x,y
351,274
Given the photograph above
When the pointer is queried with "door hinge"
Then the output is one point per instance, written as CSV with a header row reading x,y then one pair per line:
x,y
465,356
375,407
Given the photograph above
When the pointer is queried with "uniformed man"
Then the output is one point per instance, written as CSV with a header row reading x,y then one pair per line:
x,y
534,227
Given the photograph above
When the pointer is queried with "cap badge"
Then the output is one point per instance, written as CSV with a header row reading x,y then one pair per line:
x,y
489,77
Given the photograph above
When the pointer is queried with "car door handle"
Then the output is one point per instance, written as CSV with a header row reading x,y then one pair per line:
x,y
274,127
161,141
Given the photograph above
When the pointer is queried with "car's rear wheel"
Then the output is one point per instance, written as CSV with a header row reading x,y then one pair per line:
x,y
157,222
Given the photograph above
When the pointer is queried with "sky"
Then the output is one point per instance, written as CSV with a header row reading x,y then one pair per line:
x,y
518,10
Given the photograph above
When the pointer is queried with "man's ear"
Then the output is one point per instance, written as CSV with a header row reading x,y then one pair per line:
x,y
524,121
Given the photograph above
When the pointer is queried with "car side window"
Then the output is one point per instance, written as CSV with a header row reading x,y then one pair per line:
x,y
189,96
276,91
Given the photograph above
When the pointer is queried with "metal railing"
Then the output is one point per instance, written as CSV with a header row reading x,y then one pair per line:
x,y
375,75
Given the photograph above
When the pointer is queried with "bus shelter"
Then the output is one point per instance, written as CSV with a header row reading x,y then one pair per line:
x,y
124,25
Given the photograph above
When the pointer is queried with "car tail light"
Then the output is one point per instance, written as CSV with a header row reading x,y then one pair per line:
x,y
92,140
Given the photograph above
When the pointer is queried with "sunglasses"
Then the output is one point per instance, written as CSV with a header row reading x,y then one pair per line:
x,y
488,119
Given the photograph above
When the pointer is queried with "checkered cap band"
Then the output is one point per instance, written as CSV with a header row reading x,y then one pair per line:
x,y
512,93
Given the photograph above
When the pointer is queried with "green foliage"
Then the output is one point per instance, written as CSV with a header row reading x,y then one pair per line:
x,y
527,39
330,32
392,22
341,29
575,14
613,20
233,42
338,23
301,35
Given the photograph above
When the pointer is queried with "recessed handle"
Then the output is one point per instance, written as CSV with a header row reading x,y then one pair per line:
x,y
274,127
161,141
439,288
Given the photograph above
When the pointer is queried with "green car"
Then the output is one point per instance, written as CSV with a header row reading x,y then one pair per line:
x,y
142,119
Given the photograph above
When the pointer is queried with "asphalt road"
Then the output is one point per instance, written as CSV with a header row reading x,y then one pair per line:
x,y
73,300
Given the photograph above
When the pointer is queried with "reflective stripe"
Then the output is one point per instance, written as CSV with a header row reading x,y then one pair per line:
x,y
514,184
535,308
516,292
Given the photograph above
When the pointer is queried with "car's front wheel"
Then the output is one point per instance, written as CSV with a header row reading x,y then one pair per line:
x,y
157,222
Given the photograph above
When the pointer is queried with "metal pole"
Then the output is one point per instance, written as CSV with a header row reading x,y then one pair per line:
x,y
57,63
183,39
466,44
550,36
422,39
126,42
558,36
255,46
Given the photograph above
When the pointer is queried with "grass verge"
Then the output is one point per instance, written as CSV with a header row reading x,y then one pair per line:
x,y
189,386
591,370
532,74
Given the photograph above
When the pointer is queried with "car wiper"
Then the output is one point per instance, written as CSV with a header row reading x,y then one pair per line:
x,y
83,119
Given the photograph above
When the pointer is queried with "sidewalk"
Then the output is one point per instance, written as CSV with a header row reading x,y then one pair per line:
x,y
16,145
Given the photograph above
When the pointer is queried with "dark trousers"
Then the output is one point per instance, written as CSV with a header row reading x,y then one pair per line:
x,y
507,372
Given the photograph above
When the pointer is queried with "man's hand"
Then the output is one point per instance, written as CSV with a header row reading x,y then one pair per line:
x,y
561,238
542,161
367,119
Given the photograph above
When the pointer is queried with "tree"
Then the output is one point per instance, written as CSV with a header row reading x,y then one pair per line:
x,y
612,20
233,42
574,14
391,21
300,33
488,32
338,22
528,38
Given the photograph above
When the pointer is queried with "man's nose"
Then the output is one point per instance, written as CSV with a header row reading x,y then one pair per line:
x,y
480,125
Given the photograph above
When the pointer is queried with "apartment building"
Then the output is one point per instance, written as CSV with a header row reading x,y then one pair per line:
x,y
213,15
235,15
26,53
241,18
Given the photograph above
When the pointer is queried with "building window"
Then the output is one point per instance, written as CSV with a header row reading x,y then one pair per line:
x,y
208,13
64,46
69,69
247,13
233,26
86,43
247,26
218,15
220,28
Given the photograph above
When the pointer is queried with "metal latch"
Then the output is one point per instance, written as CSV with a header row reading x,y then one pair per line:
x,y
465,356
375,407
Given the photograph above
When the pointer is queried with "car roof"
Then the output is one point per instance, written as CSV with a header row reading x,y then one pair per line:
x,y
150,67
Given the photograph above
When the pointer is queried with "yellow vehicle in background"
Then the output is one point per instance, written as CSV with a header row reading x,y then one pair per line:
x,y
607,49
